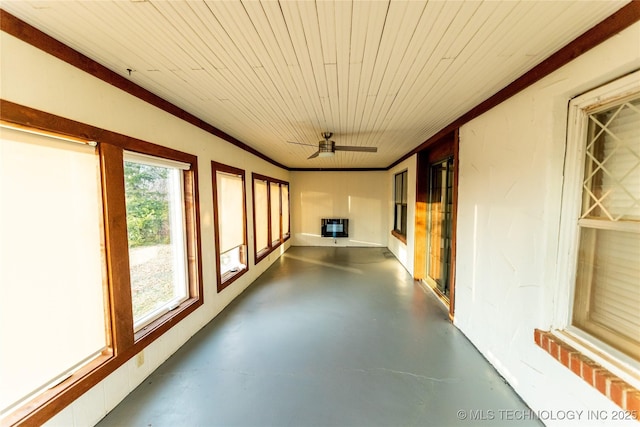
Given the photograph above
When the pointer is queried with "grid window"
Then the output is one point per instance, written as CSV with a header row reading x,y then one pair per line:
x,y
607,290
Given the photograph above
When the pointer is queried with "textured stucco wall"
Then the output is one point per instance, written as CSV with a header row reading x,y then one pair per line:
x,y
511,176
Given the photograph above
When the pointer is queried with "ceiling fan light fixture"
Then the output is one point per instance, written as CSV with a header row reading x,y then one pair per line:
x,y
326,148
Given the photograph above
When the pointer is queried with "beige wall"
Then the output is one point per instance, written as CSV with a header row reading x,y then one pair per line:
x,y
510,182
33,78
404,251
362,197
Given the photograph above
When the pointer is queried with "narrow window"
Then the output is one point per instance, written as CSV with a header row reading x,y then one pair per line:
x,y
400,200
230,218
274,200
154,193
261,216
284,192
607,289
271,214
52,305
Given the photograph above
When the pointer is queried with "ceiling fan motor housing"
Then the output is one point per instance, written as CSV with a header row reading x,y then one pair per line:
x,y
326,148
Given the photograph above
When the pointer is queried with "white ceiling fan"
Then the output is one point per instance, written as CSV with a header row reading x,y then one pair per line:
x,y
327,148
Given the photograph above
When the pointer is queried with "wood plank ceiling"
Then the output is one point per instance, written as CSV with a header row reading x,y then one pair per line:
x,y
386,74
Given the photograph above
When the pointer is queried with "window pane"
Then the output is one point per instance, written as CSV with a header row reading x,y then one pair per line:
x,y
400,198
275,211
52,306
404,187
155,224
285,209
608,291
398,218
611,187
232,260
261,212
230,195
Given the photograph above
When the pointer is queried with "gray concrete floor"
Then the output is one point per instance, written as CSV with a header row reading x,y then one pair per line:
x,y
325,337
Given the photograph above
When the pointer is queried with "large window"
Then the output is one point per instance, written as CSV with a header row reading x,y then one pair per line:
x,y
604,201
400,206
271,220
52,309
230,218
154,194
99,256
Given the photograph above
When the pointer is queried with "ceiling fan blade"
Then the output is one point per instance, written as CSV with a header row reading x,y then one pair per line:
x,y
302,143
353,148
313,155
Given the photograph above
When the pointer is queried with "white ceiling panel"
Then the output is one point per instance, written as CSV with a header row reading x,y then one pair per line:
x,y
386,74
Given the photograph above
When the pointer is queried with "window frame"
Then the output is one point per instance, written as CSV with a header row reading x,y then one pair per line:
x,y
78,204
398,232
224,280
123,342
612,359
272,242
153,315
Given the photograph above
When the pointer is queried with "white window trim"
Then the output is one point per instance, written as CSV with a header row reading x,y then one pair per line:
x,y
178,216
615,361
131,156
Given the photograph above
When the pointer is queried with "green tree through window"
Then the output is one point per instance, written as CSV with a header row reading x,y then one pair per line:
x,y
147,204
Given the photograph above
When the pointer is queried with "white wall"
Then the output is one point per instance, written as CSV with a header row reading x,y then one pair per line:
x,y
404,251
362,197
38,80
511,172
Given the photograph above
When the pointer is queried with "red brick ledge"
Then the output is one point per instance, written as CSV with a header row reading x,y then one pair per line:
x,y
619,391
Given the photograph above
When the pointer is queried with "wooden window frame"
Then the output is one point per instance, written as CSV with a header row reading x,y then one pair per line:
x,y
123,343
405,187
224,280
273,243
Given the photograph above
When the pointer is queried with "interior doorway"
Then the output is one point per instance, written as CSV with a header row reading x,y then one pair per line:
x,y
436,202
440,227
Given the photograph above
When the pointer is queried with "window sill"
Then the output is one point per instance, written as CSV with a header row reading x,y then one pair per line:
x,y
399,236
230,277
265,252
619,391
165,322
